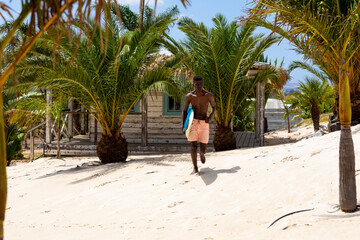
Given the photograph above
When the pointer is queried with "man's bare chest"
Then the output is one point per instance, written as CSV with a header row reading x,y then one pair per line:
x,y
199,100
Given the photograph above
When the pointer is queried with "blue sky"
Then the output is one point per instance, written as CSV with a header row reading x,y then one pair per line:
x,y
203,11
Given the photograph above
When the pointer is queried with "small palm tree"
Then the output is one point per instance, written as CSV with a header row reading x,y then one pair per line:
x,y
313,92
286,102
223,55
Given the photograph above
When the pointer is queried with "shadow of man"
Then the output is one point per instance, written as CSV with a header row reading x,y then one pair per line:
x,y
209,175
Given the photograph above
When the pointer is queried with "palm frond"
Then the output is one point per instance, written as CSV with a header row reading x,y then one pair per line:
x,y
223,55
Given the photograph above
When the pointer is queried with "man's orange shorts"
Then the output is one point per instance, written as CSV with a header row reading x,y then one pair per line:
x,y
199,131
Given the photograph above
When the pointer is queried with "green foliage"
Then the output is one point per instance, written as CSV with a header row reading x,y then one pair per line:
x,y
286,101
325,32
312,91
223,55
128,17
14,138
107,78
13,135
243,118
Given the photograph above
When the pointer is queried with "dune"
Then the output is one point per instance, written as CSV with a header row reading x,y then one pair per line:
x,y
237,195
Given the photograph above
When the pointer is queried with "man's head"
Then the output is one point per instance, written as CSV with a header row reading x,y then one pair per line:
x,y
198,83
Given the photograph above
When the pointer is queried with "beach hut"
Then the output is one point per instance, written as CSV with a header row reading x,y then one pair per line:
x,y
153,125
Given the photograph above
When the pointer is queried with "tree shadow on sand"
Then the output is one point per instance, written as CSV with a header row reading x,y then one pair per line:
x,y
96,169
209,175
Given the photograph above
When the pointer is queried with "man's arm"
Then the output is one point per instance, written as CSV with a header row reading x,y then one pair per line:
x,y
213,107
184,112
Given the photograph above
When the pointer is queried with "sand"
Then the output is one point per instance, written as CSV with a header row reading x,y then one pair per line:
x,y
237,195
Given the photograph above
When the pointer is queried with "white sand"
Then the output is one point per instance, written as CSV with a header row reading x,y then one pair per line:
x,y
237,195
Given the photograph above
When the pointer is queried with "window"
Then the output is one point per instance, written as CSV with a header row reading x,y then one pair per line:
x,y
135,108
173,104
171,107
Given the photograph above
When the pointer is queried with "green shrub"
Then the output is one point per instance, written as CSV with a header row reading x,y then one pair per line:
x,y
14,137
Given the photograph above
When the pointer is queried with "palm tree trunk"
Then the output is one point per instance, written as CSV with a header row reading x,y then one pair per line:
x,y
347,182
112,148
3,179
155,7
141,17
315,116
288,119
224,139
355,107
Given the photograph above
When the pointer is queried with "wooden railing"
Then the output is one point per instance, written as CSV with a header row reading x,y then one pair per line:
x,y
32,145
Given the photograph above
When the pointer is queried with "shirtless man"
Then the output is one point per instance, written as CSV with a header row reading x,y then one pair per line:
x,y
199,131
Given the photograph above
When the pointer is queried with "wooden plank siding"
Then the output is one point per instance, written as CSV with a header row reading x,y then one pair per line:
x,y
161,129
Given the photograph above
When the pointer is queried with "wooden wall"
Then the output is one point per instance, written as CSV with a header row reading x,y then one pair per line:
x,y
161,129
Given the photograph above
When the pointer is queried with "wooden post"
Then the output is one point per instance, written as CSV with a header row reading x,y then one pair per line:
x,y
32,150
82,120
71,118
144,127
48,134
260,109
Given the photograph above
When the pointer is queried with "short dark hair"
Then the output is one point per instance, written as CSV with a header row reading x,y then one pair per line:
x,y
197,78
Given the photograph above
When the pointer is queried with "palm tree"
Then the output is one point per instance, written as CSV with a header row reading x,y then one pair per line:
x,y
223,56
42,14
323,73
107,82
313,92
328,33
288,109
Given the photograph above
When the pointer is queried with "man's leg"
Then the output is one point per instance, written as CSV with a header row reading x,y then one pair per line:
x,y
202,152
194,156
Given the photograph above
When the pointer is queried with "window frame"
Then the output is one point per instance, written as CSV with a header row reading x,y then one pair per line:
x,y
165,106
136,108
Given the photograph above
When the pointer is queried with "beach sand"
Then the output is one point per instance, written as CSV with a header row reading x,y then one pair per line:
x,y
237,195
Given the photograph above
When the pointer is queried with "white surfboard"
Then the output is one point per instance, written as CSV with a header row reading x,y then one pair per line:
x,y
188,121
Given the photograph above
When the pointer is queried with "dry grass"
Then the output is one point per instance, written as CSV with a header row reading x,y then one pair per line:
x,y
324,119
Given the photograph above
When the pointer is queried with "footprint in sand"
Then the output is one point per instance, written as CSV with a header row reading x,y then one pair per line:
x,y
185,182
175,204
314,153
289,159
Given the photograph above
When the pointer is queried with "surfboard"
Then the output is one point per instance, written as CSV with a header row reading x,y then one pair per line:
x,y
188,121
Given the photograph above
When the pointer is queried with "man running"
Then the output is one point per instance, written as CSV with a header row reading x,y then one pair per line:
x,y
199,131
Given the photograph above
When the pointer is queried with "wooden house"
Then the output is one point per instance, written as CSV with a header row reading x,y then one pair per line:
x,y
156,121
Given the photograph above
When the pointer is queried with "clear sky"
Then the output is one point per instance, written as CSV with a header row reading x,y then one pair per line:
x,y
203,11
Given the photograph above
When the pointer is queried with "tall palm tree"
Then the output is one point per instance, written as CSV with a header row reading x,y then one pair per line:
x,y
107,82
313,92
328,33
223,55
